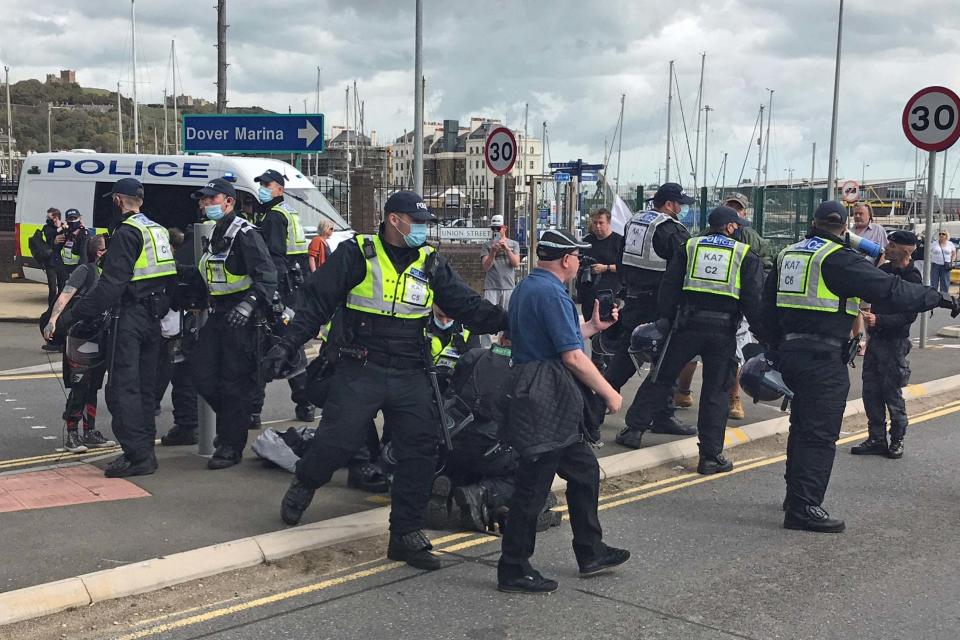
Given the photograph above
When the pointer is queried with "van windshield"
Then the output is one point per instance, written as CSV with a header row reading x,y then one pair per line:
x,y
311,205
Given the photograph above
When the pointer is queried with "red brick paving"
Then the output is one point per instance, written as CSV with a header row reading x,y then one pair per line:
x,y
61,487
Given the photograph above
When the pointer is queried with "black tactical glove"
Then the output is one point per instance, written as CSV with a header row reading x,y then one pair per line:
x,y
274,361
950,302
240,315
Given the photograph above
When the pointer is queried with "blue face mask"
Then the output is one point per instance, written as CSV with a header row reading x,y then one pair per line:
x,y
684,209
417,235
213,212
443,325
264,195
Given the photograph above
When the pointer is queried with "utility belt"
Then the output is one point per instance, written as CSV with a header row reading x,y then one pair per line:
x,y
845,349
641,294
711,321
155,304
379,358
816,337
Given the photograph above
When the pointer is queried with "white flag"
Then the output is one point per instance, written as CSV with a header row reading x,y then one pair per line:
x,y
620,214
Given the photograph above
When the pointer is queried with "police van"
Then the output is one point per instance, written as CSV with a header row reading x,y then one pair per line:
x,y
79,179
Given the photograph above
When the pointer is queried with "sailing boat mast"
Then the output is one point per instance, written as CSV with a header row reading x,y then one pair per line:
x,y
119,122
176,119
696,151
767,152
623,97
136,115
669,110
756,183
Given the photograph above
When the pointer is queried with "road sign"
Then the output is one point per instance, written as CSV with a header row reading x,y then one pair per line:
x,y
931,119
561,177
850,190
467,234
588,176
500,151
253,133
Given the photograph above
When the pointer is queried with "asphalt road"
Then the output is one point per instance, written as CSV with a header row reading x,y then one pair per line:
x,y
710,561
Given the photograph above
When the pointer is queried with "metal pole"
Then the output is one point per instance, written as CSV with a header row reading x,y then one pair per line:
x,y
221,56
206,419
756,184
813,164
669,110
165,150
6,71
346,130
119,122
176,120
136,115
943,187
766,158
696,146
49,129
418,102
928,238
831,160
502,200
724,178
706,132
623,97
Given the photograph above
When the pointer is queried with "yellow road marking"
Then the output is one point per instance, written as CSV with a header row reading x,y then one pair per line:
x,y
735,433
64,456
30,376
474,540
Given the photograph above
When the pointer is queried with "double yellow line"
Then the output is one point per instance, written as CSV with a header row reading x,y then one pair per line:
x,y
61,456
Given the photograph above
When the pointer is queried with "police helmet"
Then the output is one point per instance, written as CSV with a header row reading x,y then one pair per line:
x,y
761,381
646,342
84,350
295,364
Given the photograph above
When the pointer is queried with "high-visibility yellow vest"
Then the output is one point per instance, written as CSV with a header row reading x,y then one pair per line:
x,y
296,239
446,355
156,256
383,291
638,240
70,254
800,282
220,282
713,265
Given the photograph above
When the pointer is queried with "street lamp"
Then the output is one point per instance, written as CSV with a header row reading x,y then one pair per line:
x,y
863,174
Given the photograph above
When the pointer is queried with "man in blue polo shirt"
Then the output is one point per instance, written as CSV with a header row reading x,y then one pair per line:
x,y
544,415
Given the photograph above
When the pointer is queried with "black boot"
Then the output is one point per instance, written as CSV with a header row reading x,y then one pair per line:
x,y
255,422
811,518
414,549
672,426
872,446
178,436
472,500
895,450
367,476
295,501
224,456
630,437
306,412
607,559
710,465
124,467
516,578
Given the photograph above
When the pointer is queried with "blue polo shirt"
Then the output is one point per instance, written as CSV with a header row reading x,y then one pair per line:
x,y
544,322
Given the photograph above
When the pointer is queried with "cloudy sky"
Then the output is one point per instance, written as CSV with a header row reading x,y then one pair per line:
x,y
568,59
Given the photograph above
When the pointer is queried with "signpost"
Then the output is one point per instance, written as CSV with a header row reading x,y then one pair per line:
x,y
500,153
850,191
930,122
560,176
253,133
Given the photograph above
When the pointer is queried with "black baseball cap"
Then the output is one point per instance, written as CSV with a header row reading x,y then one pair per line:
x,y
271,175
411,204
672,192
215,186
554,244
71,214
830,211
722,216
908,238
126,187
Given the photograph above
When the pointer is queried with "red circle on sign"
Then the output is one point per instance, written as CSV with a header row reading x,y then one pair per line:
x,y
497,165
939,145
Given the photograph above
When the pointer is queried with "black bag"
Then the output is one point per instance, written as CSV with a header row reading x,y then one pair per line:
x,y
478,380
39,248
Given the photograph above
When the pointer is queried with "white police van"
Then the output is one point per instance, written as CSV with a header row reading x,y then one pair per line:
x,y
79,179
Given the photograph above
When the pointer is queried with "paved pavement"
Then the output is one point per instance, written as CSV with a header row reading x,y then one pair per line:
x,y
22,301
710,562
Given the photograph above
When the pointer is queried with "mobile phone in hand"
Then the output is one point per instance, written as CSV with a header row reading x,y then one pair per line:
x,y
605,297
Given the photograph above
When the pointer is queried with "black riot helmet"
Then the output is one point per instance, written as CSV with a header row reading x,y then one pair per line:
x,y
762,382
646,342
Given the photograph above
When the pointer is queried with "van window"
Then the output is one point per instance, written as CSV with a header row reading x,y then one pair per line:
x,y
169,205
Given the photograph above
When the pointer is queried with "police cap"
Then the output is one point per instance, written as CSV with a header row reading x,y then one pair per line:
x,y
71,214
270,175
411,204
672,192
215,186
126,187
722,216
908,238
830,211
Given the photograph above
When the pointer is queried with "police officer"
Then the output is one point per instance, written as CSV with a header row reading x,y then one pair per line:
x,y
714,280
885,367
387,284
651,239
449,340
136,270
241,281
74,249
281,229
810,301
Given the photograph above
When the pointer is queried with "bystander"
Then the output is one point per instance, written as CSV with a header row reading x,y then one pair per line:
x,y
500,259
943,256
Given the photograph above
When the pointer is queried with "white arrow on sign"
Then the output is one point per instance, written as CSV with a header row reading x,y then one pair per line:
x,y
308,133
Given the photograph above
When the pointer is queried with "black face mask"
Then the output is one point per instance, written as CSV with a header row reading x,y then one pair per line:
x,y
738,234
74,225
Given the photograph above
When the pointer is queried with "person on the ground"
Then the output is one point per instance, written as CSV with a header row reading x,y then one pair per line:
x,y
713,281
135,274
73,250
865,227
449,340
544,417
651,239
84,387
318,249
241,280
178,329
943,257
281,229
500,259
54,234
606,246
886,369
810,301
386,284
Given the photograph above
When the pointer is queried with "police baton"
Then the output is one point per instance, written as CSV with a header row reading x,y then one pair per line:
x,y
438,397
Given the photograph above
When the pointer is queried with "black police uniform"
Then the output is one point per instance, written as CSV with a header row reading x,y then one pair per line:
x,y
55,271
642,287
811,345
383,368
226,358
708,322
139,304
885,367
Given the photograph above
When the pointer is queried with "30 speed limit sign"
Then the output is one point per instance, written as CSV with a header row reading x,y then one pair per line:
x,y
931,119
500,152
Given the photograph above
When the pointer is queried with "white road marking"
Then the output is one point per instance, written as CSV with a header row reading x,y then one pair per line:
x,y
26,417
19,408
39,426
49,437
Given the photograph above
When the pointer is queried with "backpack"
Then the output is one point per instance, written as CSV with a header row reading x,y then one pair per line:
x,y
479,378
39,248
